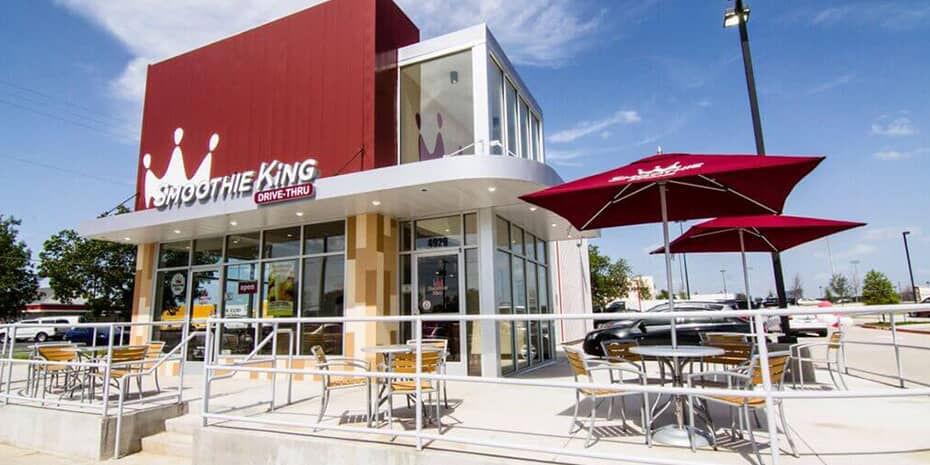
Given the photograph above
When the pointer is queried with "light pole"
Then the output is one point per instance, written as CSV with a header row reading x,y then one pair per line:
x,y
910,271
855,264
739,16
723,275
684,260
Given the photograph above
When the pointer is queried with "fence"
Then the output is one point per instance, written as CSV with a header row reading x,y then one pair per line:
x,y
110,364
211,367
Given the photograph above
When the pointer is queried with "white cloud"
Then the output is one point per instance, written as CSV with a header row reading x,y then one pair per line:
x,y
897,126
585,128
534,32
891,155
858,250
886,14
839,81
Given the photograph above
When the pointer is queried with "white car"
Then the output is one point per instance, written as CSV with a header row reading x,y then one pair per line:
x,y
40,332
819,324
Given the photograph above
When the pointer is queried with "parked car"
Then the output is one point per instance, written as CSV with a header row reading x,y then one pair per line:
x,y
658,331
810,324
85,335
923,313
43,331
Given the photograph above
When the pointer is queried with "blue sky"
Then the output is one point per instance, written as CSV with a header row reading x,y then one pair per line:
x,y
616,80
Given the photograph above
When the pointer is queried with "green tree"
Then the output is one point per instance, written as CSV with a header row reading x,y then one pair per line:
x,y
642,290
101,272
663,295
18,284
609,280
839,286
878,290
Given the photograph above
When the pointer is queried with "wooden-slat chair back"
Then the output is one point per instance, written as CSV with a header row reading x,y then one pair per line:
x,y
129,354
407,362
58,353
778,364
620,351
154,349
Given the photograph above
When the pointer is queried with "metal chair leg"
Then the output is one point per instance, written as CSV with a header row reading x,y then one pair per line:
x,y
647,421
323,404
691,422
571,429
588,441
784,426
752,436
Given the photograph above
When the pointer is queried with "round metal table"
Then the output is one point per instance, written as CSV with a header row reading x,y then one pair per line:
x,y
388,352
676,357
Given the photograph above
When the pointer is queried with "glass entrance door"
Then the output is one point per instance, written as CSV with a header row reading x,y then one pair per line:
x,y
205,301
437,282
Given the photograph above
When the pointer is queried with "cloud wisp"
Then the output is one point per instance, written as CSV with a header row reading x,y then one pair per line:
x,y
896,155
839,81
585,128
893,126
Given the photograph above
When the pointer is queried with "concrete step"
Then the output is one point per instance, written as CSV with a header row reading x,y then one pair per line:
x,y
146,458
185,424
169,444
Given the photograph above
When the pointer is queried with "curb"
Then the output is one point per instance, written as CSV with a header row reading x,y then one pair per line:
x,y
900,330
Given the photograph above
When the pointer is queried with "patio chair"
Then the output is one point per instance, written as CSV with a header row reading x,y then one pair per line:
x,y
55,353
124,362
832,359
746,378
584,373
332,383
619,352
443,345
407,363
152,354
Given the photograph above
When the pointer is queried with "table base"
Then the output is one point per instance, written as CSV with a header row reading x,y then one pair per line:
x,y
672,435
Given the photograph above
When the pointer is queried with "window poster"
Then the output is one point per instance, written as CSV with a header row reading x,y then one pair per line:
x,y
281,295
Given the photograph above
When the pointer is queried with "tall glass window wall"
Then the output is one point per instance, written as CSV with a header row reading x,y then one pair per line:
x,y
268,274
437,108
521,274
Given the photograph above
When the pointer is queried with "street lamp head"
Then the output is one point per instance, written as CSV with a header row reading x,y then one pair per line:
x,y
905,233
732,19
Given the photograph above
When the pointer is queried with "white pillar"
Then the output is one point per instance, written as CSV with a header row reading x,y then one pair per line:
x,y
490,358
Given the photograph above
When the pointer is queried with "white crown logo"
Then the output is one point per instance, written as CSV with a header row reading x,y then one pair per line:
x,y
657,172
176,174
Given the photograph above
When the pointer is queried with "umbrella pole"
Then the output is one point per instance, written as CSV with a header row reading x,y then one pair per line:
x,y
742,252
668,262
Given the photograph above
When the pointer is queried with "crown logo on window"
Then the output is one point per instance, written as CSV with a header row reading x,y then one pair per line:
x,y
176,174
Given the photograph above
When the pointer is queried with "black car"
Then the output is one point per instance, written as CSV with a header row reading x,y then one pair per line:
x,y
85,335
649,331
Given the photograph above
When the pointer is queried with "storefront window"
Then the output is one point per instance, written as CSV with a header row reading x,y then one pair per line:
x,y
324,237
471,229
535,141
174,254
524,131
281,243
503,233
170,306
512,124
239,301
208,251
405,235
495,104
437,108
242,247
323,295
439,232
516,240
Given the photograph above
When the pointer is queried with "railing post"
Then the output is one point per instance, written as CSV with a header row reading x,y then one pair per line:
x,y
185,346
207,361
121,385
9,367
762,342
897,350
418,335
274,361
290,366
106,372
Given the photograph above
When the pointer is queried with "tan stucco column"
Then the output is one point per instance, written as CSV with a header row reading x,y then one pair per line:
x,y
142,293
371,281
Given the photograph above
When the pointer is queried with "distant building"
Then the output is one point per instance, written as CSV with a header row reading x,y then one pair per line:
x,y
47,304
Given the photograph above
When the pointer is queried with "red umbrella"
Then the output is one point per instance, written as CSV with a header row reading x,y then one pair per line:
x,y
697,186
757,233
676,187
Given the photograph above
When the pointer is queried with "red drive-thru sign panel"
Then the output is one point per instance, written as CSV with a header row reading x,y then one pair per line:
x,y
272,109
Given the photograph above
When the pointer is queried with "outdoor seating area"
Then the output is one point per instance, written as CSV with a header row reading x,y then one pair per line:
x,y
623,417
75,372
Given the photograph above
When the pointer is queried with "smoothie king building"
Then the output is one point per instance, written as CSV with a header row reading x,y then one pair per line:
x,y
330,163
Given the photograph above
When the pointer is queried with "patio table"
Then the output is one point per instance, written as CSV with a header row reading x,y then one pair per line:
x,y
388,351
676,357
